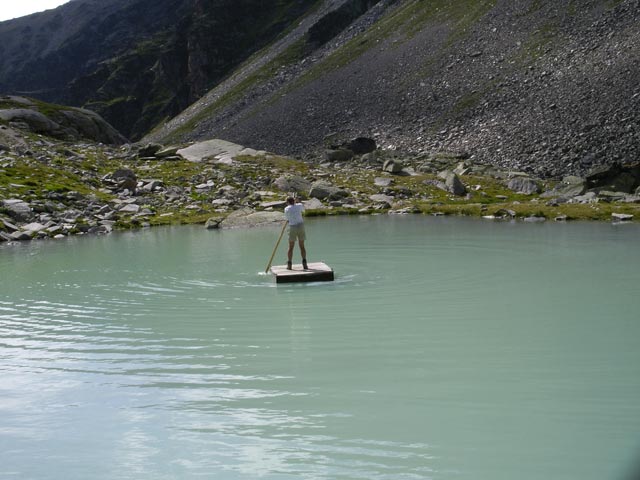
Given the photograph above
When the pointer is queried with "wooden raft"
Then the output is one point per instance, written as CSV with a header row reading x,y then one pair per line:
x,y
317,272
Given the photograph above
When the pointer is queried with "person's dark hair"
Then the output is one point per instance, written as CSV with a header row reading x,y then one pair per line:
x,y
290,200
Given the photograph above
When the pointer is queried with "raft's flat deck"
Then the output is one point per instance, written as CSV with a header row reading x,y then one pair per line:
x,y
317,272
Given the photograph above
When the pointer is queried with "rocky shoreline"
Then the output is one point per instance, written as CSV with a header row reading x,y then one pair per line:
x,y
53,189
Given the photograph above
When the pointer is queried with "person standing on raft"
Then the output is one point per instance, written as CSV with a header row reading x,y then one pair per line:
x,y
293,214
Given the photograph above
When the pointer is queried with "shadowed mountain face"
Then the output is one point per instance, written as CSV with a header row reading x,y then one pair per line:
x,y
135,61
546,86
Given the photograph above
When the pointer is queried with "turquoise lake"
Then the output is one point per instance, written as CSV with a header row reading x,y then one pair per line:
x,y
446,348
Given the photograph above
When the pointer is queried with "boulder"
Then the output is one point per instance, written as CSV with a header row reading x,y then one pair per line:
x,y
571,186
361,145
382,181
21,236
65,123
313,204
339,155
83,123
18,210
213,223
130,208
125,179
601,173
621,217
623,182
217,150
151,149
324,190
452,183
372,157
392,166
292,183
382,199
33,228
247,217
523,185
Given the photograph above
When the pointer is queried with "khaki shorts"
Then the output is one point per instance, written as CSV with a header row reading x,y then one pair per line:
x,y
296,232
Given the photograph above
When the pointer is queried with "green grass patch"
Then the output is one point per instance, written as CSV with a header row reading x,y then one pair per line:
x,y
28,179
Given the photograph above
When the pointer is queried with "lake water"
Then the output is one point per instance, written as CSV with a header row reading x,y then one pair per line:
x,y
445,349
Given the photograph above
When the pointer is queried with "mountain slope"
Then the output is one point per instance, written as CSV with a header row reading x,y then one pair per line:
x,y
539,85
136,61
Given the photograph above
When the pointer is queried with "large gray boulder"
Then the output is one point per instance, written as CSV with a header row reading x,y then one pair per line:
x,y
452,183
216,150
292,183
380,198
324,190
17,209
392,165
523,185
247,217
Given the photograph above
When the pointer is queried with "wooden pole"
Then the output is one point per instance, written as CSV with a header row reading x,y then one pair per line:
x,y
276,247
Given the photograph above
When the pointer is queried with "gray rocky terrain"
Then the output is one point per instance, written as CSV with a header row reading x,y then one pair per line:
x,y
548,87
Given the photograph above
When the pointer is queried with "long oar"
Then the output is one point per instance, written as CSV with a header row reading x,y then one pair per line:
x,y
276,247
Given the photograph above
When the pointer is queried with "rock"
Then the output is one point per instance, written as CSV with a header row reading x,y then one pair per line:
x,y
8,225
324,190
247,217
383,199
621,217
168,152
83,123
213,223
382,181
130,208
18,210
275,204
452,183
150,150
392,166
65,123
292,183
33,228
152,185
523,185
313,204
589,197
21,236
623,182
216,150
125,179
504,212
601,173
339,155
361,145
461,169
372,158
570,186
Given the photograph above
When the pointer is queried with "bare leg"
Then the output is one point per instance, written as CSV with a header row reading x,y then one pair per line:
x,y
303,252
290,252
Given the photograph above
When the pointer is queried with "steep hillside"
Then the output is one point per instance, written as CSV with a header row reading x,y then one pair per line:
x,y
547,86
136,62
